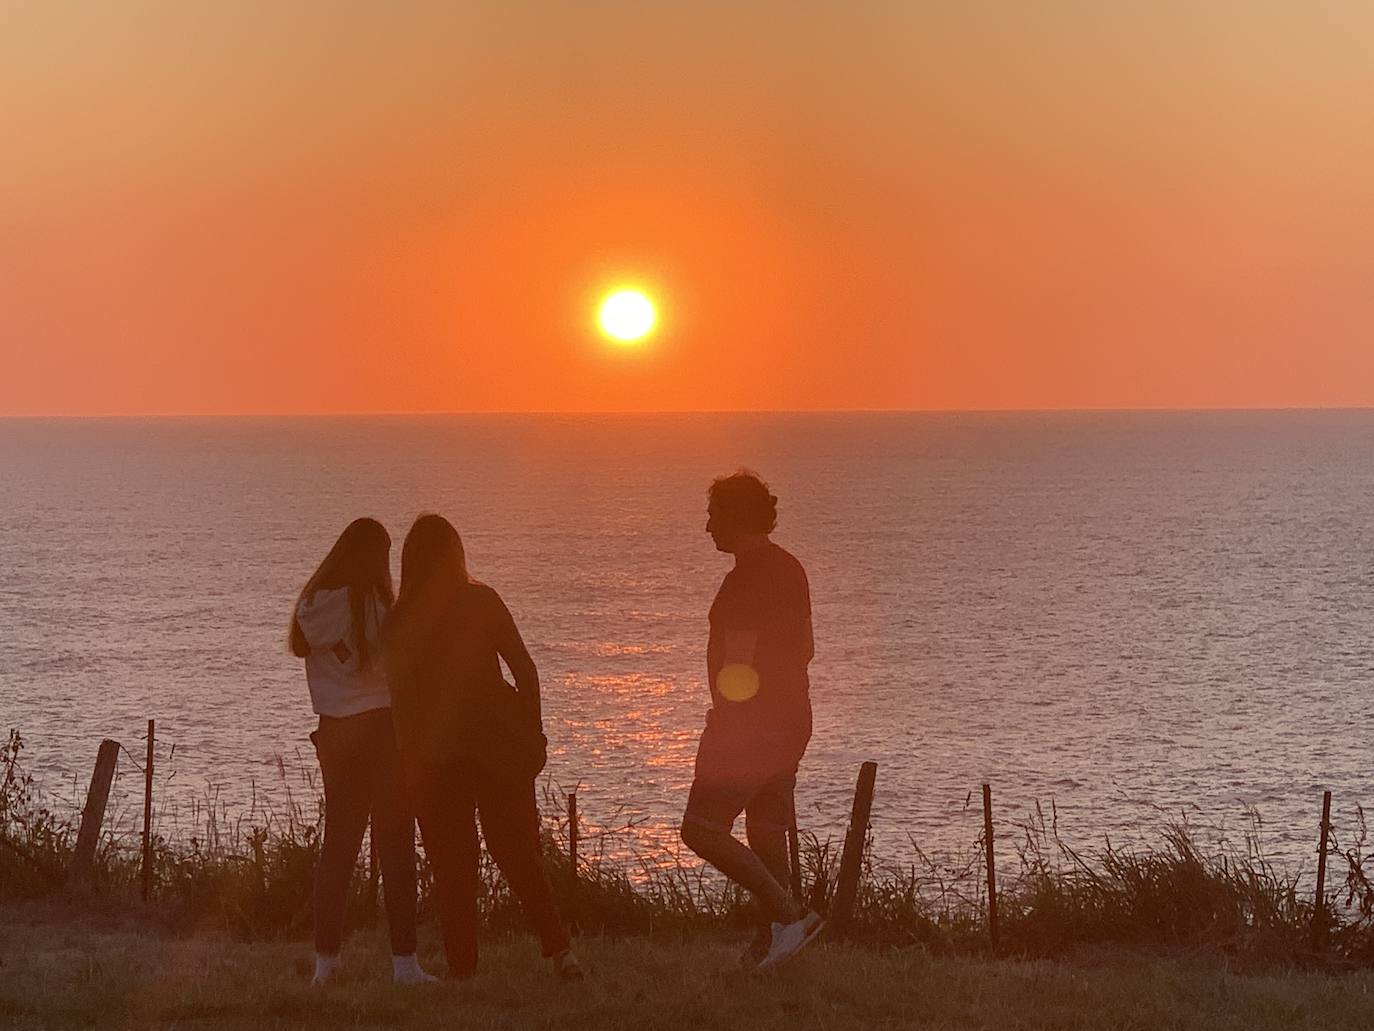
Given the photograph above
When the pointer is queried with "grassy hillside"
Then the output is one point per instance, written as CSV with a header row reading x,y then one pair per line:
x,y
58,971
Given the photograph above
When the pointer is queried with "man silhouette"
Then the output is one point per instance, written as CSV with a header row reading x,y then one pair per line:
x,y
760,718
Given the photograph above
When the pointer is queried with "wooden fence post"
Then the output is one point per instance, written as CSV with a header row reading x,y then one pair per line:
x,y
851,861
992,865
93,814
148,817
1319,908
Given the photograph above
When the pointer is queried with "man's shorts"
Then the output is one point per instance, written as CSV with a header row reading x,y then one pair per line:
x,y
754,774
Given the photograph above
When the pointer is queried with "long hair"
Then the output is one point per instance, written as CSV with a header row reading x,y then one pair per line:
x,y
361,561
432,555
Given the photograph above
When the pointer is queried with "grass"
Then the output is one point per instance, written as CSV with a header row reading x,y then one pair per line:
x,y
59,970
249,877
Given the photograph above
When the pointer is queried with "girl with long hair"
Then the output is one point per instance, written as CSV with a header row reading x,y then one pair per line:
x,y
471,743
336,629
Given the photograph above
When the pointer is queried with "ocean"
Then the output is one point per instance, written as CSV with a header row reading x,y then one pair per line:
x,y
1119,618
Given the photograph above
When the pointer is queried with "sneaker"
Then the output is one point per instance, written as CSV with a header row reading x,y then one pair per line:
x,y
789,939
326,970
757,949
566,967
407,970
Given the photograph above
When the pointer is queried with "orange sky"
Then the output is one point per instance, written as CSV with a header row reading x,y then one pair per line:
x,y
335,207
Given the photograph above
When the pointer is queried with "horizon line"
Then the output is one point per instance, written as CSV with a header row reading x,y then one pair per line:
x,y
439,413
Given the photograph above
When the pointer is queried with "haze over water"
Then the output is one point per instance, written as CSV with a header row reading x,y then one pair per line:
x,y
1126,614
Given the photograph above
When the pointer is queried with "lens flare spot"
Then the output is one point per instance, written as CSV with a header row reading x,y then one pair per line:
x,y
737,682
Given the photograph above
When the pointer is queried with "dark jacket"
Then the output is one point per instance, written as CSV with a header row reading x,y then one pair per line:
x,y
450,700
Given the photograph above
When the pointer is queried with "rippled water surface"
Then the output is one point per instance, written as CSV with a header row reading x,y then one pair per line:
x,y
1130,615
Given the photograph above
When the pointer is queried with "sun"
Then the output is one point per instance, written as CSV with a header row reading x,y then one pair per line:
x,y
627,316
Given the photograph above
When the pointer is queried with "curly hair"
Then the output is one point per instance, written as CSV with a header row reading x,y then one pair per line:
x,y
745,501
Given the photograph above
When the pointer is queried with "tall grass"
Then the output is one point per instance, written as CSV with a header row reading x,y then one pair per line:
x,y
251,874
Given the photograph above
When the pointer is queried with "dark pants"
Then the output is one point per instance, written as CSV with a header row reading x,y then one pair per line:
x,y
362,777
448,799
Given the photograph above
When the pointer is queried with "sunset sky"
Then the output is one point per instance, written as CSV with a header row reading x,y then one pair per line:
x,y
267,207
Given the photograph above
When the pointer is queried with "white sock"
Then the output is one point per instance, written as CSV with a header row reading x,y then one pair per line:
x,y
406,970
325,967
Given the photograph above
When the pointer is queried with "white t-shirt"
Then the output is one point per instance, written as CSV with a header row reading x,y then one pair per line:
x,y
339,686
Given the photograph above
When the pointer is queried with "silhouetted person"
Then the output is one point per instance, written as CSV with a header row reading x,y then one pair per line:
x,y
336,629
472,745
760,718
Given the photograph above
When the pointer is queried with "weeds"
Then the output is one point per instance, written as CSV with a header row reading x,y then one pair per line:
x,y
252,875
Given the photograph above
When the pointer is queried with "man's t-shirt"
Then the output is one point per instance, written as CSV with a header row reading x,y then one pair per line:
x,y
767,593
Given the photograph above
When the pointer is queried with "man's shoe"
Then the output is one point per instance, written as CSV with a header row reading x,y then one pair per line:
x,y
758,948
789,939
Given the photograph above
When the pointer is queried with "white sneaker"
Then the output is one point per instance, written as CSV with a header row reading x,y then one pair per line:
x,y
326,969
789,939
407,970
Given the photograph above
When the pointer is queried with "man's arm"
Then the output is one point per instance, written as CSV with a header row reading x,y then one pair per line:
x,y
737,647
738,680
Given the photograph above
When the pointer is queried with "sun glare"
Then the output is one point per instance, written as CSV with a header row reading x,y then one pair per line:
x,y
627,316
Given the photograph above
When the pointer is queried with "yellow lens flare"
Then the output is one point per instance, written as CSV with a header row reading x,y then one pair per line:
x,y
627,316
737,682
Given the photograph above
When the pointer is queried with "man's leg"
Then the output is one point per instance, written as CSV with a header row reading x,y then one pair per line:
x,y
769,843
711,812
767,817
